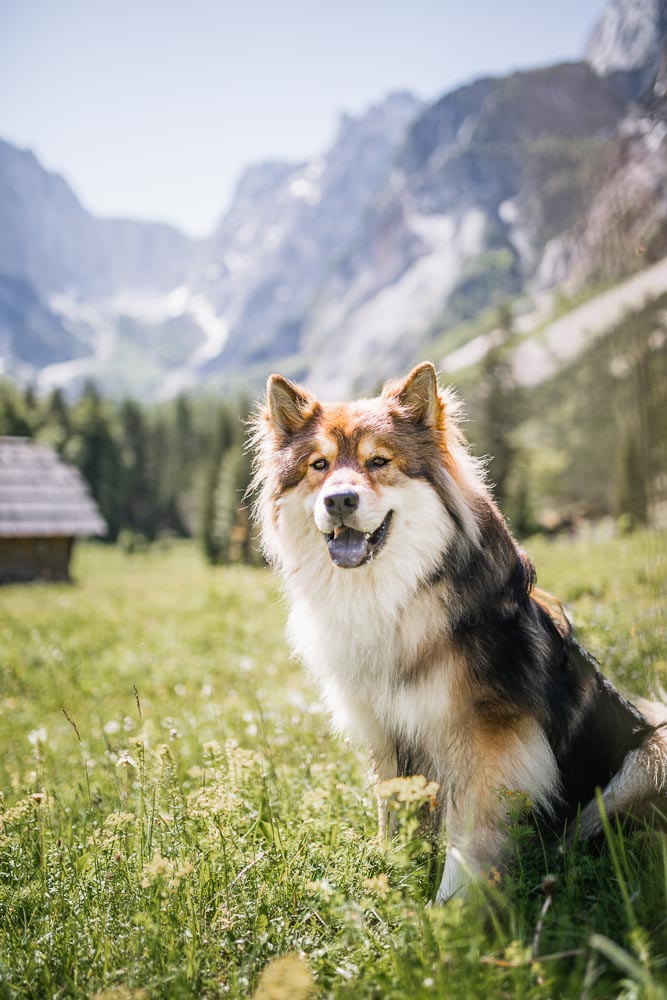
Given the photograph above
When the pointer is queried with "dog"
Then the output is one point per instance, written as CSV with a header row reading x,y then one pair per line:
x,y
417,613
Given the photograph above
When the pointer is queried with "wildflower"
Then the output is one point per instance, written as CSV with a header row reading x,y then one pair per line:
x,y
159,867
121,993
166,870
285,978
240,762
494,877
413,789
212,801
379,885
111,727
324,888
120,821
212,752
38,736
18,812
125,760
313,800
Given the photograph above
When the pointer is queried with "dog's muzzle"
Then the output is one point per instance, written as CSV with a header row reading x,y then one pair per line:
x,y
350,548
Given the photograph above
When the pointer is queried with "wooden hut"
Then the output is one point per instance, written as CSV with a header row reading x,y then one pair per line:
x,y
44,505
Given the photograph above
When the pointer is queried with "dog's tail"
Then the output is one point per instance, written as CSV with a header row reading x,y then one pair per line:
x,y
640,786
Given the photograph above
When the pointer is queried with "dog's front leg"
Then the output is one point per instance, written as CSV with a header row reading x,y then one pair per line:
x,y
477,842
383,760
484,763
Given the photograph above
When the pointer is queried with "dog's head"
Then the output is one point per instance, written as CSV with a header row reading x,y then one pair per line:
x,y
359,479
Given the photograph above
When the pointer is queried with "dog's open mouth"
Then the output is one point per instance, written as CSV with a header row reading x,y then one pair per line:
x,y
349,548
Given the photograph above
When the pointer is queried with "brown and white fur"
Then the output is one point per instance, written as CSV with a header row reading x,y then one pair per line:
x,y
416,612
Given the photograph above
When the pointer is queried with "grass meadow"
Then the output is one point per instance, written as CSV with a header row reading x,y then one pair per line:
x,y
177,820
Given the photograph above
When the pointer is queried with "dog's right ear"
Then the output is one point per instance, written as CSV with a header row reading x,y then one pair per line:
x,y
290,406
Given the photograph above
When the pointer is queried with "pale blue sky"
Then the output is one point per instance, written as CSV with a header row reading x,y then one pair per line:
x,y
151,108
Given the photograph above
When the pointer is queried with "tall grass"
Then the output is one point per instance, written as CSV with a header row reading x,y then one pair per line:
x,y
178,822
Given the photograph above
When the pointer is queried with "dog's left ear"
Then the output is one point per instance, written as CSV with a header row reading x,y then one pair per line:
x,y
418,393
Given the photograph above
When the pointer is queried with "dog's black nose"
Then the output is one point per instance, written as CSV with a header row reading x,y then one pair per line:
x,y
341,503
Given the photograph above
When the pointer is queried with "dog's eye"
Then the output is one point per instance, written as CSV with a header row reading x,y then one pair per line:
x,y
319,464
378,461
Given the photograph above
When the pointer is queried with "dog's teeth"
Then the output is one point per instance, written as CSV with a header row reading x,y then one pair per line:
x,y
367,535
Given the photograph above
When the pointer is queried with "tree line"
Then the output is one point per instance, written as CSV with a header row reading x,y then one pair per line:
x,y
177,469
590,442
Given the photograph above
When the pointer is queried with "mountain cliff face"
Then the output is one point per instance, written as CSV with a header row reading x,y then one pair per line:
x,y
629,39
58,263
341,269
225,303
51,241
484,179
287,227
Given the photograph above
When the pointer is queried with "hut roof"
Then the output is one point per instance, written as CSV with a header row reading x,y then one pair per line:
x,y
41,496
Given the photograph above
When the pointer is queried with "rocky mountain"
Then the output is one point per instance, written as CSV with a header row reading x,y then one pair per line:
x,y
416,222
59,263
629,39
143,308
51,241
485,178
288,227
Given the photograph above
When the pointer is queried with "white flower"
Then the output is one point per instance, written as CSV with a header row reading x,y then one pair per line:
x,y
37,736
125,760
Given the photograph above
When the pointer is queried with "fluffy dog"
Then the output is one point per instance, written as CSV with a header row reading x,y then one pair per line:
x,y
416,611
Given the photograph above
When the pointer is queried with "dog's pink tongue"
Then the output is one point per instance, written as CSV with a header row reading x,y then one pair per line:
x,y
348,548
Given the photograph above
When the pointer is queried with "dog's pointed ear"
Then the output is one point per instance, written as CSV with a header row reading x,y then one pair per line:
x,y
290,406
418,394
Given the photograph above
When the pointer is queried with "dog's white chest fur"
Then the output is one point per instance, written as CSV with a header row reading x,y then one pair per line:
x,y
359,655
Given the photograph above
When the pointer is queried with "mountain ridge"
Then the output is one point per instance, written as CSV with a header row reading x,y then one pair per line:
x,y
346,265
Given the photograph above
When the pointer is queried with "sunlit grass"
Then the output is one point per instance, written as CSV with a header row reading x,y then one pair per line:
x,y
190,820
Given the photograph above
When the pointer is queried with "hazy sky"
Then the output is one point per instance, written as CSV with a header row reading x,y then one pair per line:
x,y
151,108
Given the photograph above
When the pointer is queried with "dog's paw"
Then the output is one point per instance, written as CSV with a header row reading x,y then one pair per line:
x,y
443,896
455,878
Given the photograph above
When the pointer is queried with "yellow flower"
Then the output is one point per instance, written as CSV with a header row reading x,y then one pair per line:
x,y
285,978
120,993
164,868
413,789
119,821
379,885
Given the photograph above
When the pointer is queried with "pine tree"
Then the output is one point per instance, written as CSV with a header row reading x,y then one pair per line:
x,y
13,420
631,494
500,410
54,421
93,449
224,438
